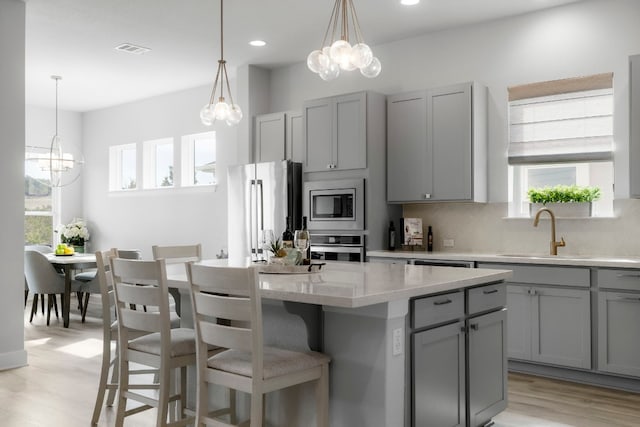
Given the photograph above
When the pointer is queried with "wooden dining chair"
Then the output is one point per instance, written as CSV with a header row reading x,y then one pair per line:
x,y
109,364
162,348
228,313
177,254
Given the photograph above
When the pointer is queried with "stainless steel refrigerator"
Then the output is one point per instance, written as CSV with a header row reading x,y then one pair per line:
x,y
261,196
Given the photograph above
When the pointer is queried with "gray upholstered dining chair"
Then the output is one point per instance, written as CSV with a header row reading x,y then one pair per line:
x,y
45,250
43,279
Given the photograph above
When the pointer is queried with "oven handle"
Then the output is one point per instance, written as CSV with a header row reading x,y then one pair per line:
x,y
338,249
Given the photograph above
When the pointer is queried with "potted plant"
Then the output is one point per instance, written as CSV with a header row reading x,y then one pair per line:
x,y
564,200
74,234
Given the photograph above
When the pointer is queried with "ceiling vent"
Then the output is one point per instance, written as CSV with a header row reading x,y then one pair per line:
x,y
132,48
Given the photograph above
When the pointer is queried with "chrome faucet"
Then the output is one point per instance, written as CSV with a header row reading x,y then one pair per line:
x,y
553,250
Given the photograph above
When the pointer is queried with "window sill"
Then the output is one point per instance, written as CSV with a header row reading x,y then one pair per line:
x,y
196,189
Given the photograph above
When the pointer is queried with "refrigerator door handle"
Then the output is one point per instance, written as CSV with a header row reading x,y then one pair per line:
x,y
260,203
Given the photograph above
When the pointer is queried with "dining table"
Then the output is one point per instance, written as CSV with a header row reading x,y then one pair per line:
x,y
70,263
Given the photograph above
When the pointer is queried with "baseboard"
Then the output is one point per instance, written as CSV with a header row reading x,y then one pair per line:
x,y
12,360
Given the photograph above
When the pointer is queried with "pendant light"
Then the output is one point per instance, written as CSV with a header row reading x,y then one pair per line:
x,y
339,54
63,162
221,110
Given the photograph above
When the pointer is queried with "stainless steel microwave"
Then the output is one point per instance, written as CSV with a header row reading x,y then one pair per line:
x,y
334,205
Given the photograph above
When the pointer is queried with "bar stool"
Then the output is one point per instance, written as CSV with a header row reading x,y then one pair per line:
x,y
228,313
177,254
163,348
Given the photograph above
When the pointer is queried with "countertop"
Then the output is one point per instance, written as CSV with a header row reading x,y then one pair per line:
x,y
351,284
569,260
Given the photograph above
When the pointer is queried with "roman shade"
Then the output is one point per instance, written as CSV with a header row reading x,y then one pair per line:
x,y
560,121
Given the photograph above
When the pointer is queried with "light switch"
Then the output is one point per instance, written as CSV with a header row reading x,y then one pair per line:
x,y
397,342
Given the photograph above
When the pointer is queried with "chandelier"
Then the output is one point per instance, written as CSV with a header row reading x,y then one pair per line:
x,y
63,163
221,110
339,54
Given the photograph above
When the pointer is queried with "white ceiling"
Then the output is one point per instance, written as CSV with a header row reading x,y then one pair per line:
x,y
76,38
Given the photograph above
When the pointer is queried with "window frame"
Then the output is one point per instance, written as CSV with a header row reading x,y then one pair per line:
x,y
187,158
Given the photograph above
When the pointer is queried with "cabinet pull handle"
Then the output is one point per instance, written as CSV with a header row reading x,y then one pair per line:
x,y
475,326
447,301
532,292
630,298
492,291
628,275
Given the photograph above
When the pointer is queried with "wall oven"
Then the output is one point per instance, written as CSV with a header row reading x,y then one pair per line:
x,y
334,205
337,247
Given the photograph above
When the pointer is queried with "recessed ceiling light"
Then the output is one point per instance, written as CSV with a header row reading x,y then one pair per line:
x,y
409,2
257,43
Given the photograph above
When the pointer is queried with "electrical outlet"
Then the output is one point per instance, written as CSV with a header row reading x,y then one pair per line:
x,y
397,342
447,243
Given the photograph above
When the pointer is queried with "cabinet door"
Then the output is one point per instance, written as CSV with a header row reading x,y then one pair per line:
x,y
408,155
487,361
519,315
618,333
318,135
449,133
634,141
561,327
294,137
350,127
438,368
270,139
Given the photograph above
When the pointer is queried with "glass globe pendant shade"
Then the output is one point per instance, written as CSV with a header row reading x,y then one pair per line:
x,y
331,72
373,69
207,116
361,55
340,53
235,115
316,61
221,110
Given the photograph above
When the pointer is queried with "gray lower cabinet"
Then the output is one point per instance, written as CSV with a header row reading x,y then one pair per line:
x,y
278,136
458,357
619,332
436,145
439,377
549,324
487,366
634,120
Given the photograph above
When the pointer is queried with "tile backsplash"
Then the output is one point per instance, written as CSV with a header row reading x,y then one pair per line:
x,y
485,228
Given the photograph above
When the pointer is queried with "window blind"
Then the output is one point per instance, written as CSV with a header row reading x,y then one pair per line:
x,y
560,121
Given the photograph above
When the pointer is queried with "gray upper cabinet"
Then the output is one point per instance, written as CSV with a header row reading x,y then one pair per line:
x,y
335,133
278,136
437,145
634,120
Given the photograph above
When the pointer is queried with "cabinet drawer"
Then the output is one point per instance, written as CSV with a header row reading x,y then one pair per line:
x,y
437,309
544,274
628,280
488,297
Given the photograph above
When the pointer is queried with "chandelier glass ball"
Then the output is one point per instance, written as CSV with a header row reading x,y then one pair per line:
x,y
339,54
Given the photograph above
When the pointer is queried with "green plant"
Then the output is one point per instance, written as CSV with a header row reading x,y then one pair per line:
x,y
563,194
277,249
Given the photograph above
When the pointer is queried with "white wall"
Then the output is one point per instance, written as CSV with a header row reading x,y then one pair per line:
x,y
579,39
39,129
12,137
144,218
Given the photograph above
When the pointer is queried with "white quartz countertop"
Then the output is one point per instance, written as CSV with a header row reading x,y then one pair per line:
x,y
575,260
351,284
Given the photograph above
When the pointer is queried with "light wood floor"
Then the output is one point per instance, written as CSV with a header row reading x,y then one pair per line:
x,y
58,387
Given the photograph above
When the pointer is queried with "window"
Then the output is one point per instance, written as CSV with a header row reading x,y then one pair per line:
x,y
561,132
199,159
122,165
158,163
40,200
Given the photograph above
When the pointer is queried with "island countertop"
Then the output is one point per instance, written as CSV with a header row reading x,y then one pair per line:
x,y
351,284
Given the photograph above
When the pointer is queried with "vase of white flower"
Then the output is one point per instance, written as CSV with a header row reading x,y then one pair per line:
x,y
74,234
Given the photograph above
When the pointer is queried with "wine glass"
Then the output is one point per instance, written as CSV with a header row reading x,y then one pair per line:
x,y
266,239
301,241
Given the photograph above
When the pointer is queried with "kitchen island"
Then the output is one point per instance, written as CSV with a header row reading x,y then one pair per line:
x,y
358,313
